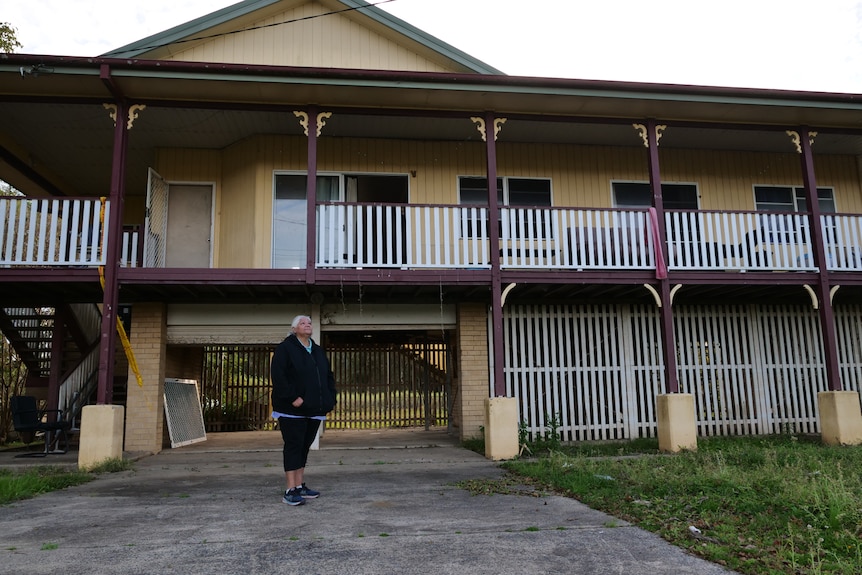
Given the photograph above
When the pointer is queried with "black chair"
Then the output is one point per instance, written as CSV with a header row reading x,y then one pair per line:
x,y
28,418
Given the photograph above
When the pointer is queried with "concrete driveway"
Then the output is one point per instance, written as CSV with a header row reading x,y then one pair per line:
x,y
389,504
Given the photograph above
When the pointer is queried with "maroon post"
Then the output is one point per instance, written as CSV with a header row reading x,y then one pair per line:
x,y
665,311
494,237
827,315
311,198
108,332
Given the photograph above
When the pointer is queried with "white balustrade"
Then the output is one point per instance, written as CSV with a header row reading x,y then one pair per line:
x,y
73,232
53,232
738,241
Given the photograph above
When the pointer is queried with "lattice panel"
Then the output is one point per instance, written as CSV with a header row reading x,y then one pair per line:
x,y
597,370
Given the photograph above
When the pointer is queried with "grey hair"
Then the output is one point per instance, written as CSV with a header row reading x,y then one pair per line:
x,y
296,321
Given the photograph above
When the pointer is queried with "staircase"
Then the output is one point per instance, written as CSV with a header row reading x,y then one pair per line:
x,y
31,332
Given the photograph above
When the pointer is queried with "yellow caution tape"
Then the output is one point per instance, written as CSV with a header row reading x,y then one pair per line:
x,y
121,330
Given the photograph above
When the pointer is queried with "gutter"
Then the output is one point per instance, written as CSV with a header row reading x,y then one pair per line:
x,y
427,79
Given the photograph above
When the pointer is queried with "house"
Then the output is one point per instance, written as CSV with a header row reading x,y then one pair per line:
x,y
653,260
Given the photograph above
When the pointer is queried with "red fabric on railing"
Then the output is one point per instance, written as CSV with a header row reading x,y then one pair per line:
x,y
660,267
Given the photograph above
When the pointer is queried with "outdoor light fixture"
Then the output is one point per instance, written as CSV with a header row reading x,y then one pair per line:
x,y
35,70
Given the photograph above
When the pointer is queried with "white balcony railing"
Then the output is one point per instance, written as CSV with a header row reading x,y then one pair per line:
x,y
572,238
402,236
408,236
763,241
52,232
73,232
699,240
842,238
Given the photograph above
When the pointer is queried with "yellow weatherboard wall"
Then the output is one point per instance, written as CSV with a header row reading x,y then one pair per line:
x,y
581,176
307,34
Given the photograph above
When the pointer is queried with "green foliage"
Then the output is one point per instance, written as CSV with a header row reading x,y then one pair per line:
x,y
13,373
546,441
476,443
8,38
762,505
112,465
32,482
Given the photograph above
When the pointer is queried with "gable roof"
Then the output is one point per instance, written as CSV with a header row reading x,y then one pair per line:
x,y
243,13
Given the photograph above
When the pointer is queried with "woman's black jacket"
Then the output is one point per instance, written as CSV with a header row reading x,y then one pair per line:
x,y
297,373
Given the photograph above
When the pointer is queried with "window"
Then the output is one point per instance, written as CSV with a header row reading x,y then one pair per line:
x,y
510,191
526,192
791,199
674,197
289,222
639,195
785,229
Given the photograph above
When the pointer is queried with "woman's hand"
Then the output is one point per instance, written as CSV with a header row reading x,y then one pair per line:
x,y
297,402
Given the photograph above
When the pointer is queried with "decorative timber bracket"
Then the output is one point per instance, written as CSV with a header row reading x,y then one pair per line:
x,y
796,139
642,130
320,121
815,303
657,297
480,126
505,293
133,113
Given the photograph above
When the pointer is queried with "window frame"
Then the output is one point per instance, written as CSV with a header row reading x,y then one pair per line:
x,y
797,198
664,185
504,189
341,179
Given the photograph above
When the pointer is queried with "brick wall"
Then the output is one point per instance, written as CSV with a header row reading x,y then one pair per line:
x,y
474,374
184,362
145,412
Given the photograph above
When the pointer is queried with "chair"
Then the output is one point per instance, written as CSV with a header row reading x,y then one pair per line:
x,y
28,418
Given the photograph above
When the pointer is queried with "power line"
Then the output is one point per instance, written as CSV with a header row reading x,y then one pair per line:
x,y
197,38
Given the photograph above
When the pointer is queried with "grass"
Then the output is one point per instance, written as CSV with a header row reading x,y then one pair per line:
x,y
765,505
27,483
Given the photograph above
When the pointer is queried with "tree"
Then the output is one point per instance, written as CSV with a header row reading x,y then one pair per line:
x,y
8,38
13,374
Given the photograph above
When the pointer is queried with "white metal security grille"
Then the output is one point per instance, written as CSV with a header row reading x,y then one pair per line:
x,y
596,370
156,226
183,412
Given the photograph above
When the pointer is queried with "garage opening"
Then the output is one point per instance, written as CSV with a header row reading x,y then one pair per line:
x,y
390,379
385,379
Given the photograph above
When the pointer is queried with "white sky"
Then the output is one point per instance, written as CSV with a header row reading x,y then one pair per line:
x,y
811,45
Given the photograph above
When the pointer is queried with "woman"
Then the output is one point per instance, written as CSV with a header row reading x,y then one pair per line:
x,y
303,392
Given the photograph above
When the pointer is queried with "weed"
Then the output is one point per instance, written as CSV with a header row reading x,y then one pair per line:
x,y
111,465
783,504
19,485
546,441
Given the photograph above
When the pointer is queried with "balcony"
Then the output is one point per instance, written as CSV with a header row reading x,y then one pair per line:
x,y
73,232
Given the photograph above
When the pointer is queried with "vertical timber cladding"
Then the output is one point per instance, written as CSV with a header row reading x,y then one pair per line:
x,y
390,379
592,372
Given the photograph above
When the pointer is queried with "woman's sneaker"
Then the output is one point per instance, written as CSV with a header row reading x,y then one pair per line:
x,y
293,497
307,493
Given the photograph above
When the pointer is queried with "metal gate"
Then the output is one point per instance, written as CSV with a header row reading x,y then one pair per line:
x,y
235,388
390,380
